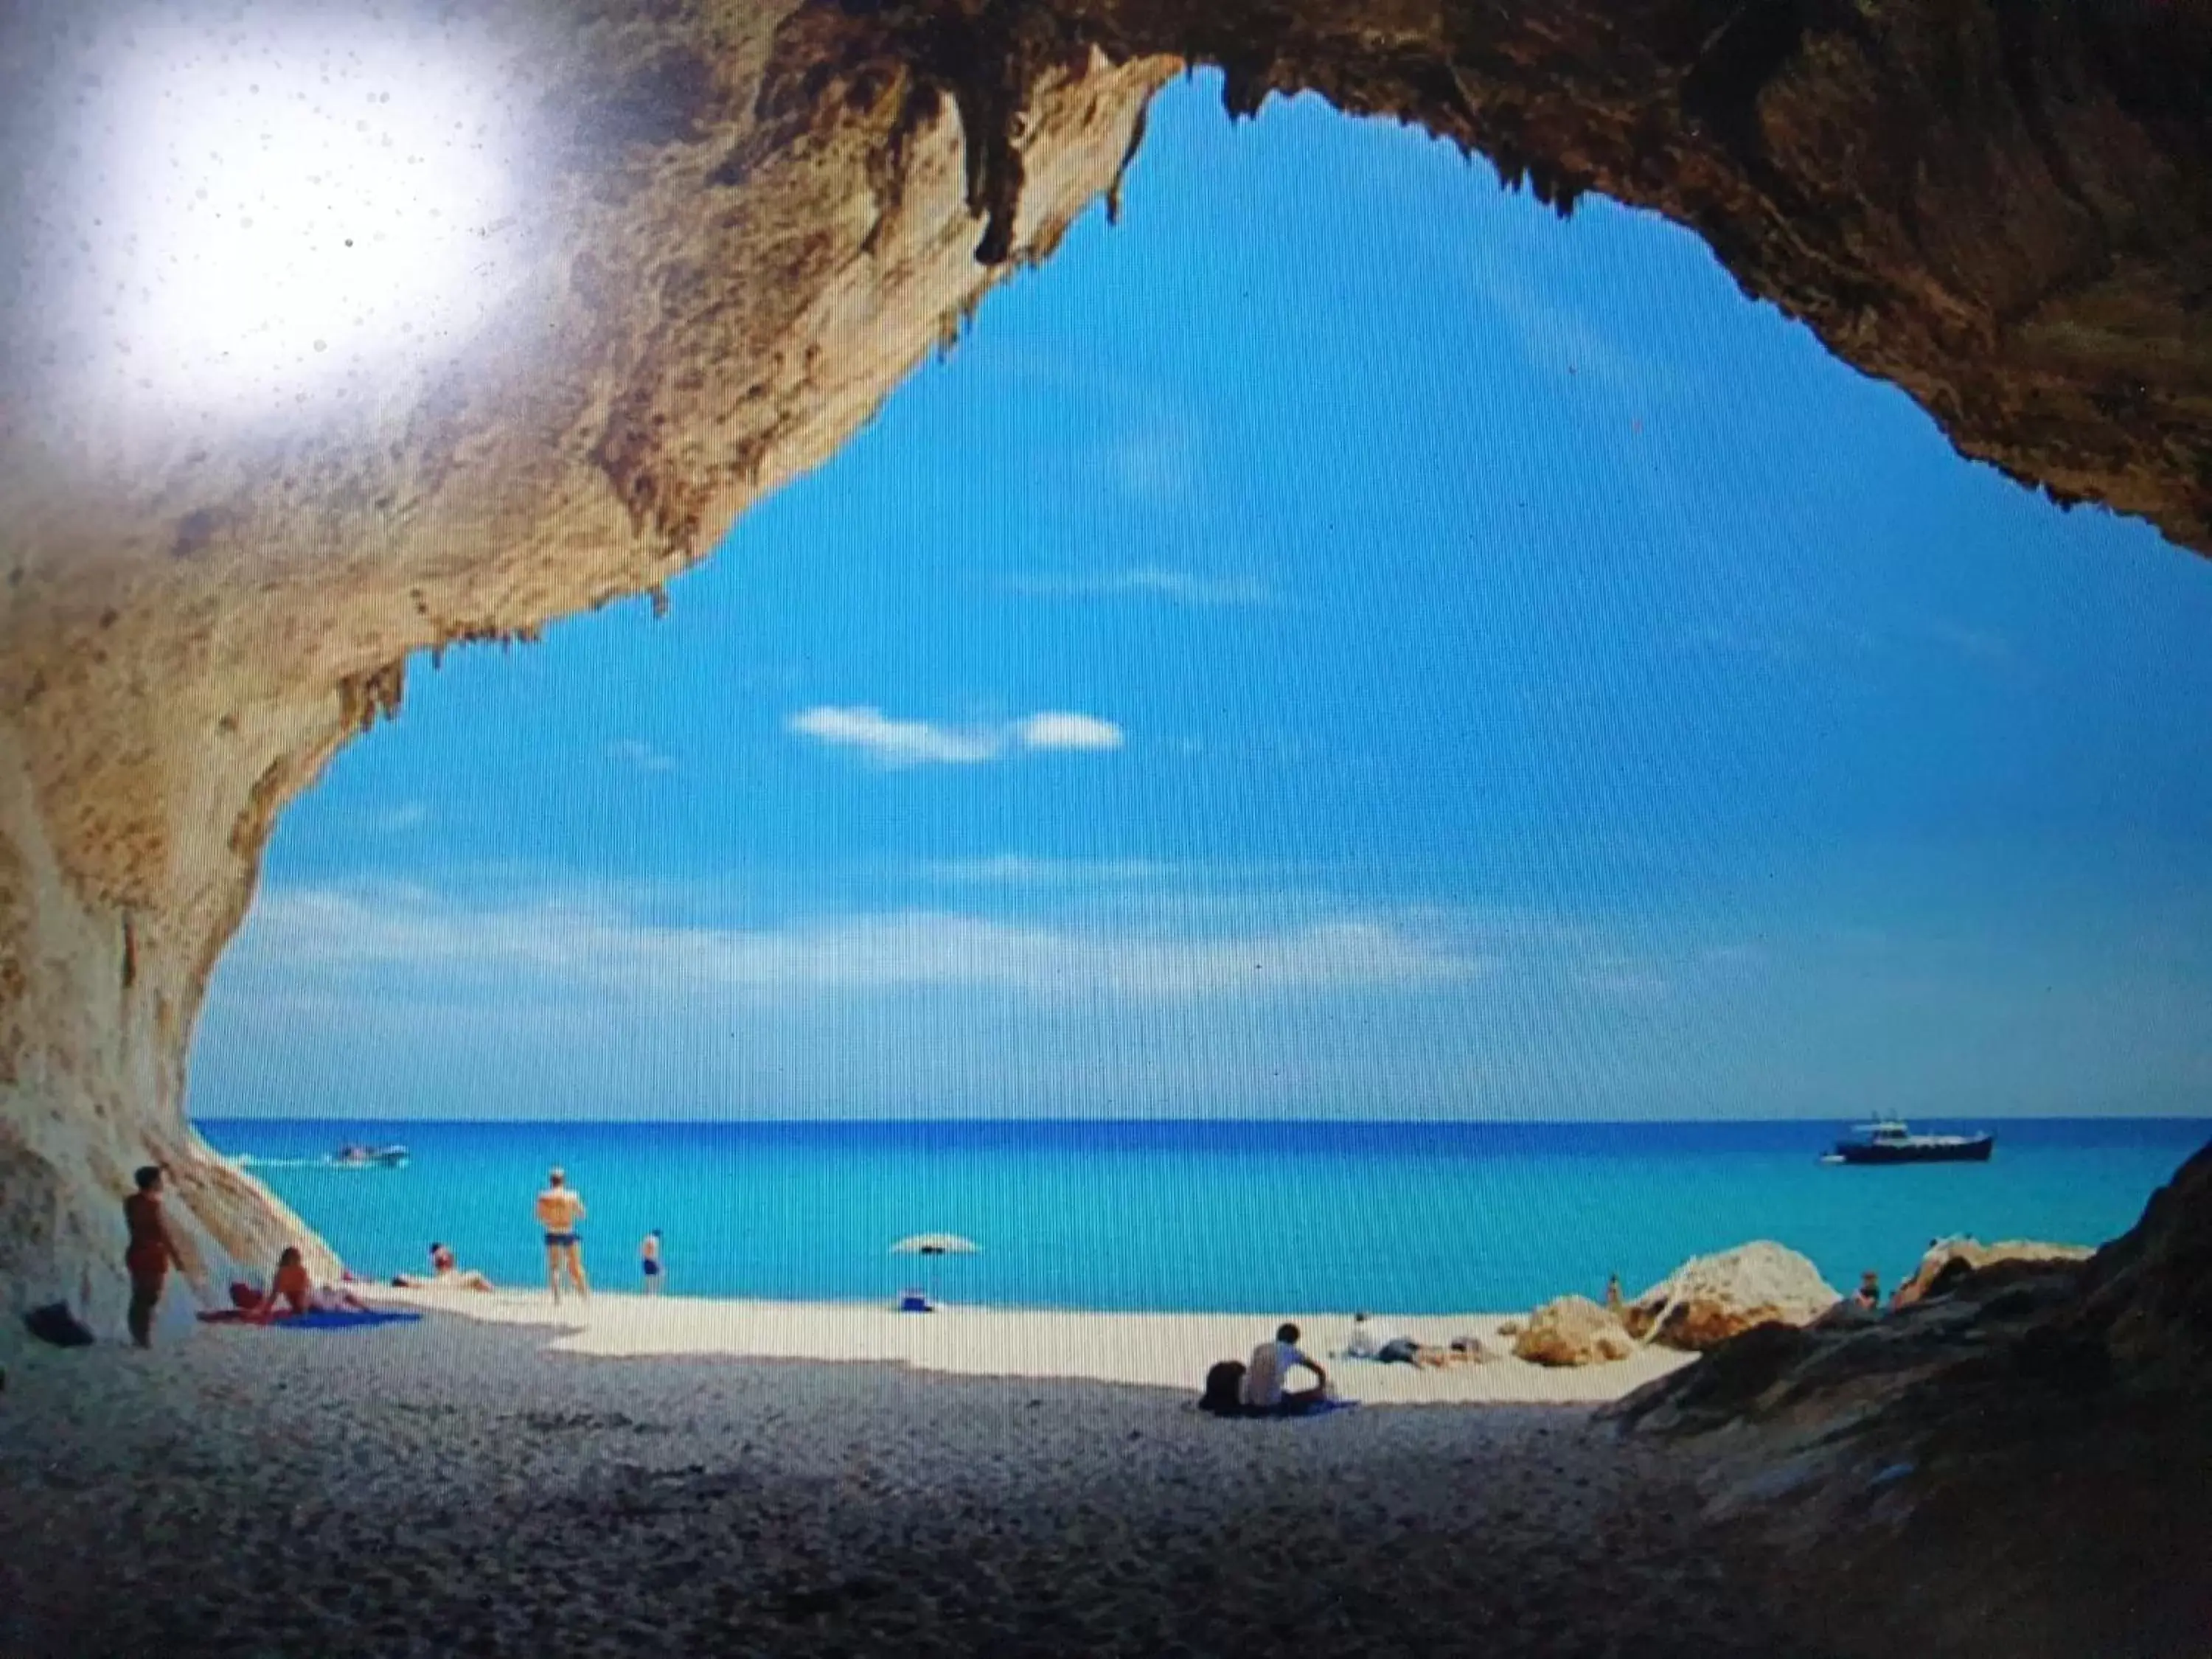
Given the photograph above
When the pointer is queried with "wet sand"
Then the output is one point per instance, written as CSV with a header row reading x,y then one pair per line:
x,y
490,1484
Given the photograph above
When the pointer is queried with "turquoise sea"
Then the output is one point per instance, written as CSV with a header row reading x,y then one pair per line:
x,y
1241,1217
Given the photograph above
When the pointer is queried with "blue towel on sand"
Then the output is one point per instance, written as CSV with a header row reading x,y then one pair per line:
x,y
339,1319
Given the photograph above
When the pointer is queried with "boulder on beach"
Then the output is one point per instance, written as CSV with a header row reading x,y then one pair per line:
x,y
1948,1260
1571,1331
1711,1298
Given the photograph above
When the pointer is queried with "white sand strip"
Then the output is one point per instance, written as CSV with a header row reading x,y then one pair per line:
x,y
1160,1350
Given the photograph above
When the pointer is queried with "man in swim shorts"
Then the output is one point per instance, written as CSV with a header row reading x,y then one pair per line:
x,y
559,1210
150,1253
648,1261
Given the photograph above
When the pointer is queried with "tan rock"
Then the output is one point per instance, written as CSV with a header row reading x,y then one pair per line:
x,y
1573,1330
1949,1259
1711,1298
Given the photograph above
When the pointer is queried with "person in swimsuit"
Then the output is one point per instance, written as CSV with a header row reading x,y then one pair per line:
x,y
648,1262
150,1255
445,1273
293,1287
559,1210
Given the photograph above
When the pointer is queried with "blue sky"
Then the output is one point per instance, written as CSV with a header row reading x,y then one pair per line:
x,y
1343,643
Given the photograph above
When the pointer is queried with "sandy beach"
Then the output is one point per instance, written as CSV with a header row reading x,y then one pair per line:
x,y
1150,1350
697,1476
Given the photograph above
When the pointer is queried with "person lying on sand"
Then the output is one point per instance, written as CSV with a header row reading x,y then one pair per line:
x,y
1271,1365
559,1210
445,1273
1371,1338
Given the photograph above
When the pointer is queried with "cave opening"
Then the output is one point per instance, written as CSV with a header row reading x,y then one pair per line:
x,y
1426,661
1455,718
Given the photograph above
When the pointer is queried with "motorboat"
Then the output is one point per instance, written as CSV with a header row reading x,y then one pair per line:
x,y
1891,1141
355,1155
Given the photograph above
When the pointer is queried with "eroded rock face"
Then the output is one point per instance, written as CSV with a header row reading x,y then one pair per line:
x,y
720,276
1949,1260
1711,1298
2018,1459
724,231
1573,1330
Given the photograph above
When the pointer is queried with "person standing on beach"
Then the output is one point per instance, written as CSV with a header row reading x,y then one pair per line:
x,y
559,1210
648,1261
150,1255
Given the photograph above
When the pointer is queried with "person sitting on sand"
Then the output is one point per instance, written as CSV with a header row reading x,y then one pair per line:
x,y
559,1210
292,1285
1869,1294
1270,1365
648,1261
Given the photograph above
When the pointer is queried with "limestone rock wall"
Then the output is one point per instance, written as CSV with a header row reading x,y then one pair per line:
x,y
732,227
716,293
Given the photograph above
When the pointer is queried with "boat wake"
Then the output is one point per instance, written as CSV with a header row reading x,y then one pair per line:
x,y
247,1161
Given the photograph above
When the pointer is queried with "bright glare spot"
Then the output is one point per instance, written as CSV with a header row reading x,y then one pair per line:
x,y
287,213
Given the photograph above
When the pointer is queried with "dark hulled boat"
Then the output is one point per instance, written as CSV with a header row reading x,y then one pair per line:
x,y
1894,1142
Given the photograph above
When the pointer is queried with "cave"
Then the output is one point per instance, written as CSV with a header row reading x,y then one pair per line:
x,y
709,240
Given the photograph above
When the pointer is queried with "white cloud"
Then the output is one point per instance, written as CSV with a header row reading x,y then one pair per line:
x,y
1147,581
643,756
919,743
401,939
1057,730
410,815
1021,870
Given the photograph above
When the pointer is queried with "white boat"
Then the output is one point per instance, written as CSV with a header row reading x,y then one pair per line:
x,y
355,1156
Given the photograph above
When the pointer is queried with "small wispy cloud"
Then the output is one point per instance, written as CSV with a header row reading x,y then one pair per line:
x,y
1145,581
1057,729
1624,978
410,815
1156,464
640,755
1021,870
900,742
301,939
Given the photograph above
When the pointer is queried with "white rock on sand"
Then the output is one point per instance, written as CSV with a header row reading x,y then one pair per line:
x,y
503,1484
1711,1298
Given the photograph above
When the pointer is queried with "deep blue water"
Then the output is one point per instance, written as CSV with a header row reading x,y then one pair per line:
x,y
1245,1217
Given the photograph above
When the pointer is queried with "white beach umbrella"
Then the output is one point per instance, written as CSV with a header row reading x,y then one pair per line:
x,y
935,1244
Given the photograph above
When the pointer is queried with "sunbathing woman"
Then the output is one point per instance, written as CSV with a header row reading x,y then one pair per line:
x,y
292,1291
447,1274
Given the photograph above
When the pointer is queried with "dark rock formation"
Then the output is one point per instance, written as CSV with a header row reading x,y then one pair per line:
x,y
2006,209
2014,1464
